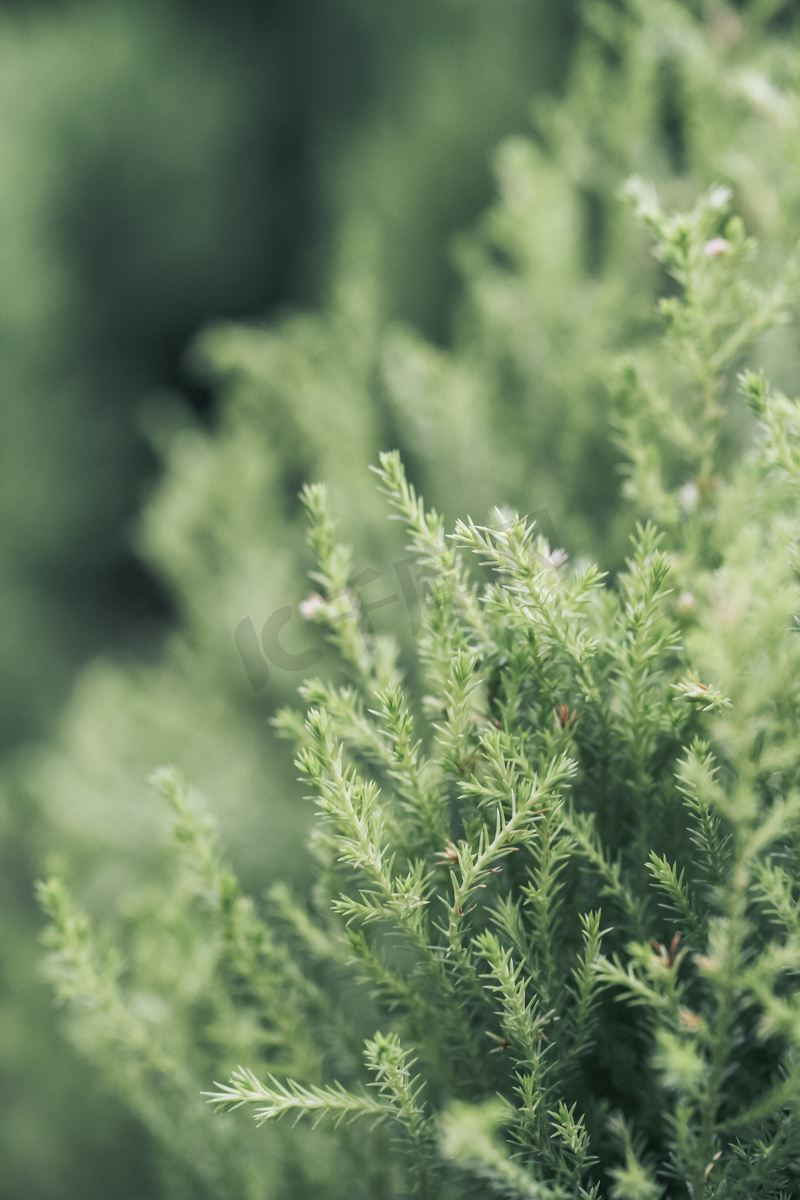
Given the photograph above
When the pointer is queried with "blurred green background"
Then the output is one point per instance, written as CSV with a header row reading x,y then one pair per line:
x,y
163,163
166,163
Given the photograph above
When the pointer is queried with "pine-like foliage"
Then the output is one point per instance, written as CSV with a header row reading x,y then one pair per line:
x,y
512,410
553,943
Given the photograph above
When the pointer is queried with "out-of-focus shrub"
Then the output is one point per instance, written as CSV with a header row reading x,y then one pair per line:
x,y
123,133
163,163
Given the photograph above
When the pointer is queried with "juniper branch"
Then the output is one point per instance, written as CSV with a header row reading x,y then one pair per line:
x,y
276,1099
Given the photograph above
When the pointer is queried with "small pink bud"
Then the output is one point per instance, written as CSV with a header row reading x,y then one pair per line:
x,y
552,558
311,606
716,246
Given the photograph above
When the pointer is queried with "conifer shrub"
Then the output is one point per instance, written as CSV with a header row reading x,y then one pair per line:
x,y
552,945
512,409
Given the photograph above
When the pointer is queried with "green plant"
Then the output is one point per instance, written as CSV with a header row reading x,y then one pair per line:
x,y
513,409
552,943
508,407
